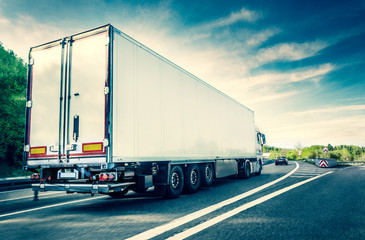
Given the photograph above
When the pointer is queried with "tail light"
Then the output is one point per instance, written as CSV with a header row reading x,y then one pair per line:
x,y
104,177
111,176
34,177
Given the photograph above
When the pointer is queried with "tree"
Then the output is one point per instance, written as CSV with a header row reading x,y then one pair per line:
x,y
13,73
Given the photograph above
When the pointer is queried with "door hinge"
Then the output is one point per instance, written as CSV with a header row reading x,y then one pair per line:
x,y
71,147
29,104
106,90
26,148
106,142
54,148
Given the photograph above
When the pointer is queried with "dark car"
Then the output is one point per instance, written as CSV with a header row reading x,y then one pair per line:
x,y
281,160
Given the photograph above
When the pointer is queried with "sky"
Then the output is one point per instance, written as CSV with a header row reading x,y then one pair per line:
x,y
299,65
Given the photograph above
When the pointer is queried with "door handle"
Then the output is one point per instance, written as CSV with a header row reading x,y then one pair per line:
x,y
75,135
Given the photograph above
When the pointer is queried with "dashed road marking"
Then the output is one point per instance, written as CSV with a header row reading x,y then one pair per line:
x,y
50,206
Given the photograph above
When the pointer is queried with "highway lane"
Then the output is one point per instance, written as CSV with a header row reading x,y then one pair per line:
x,y
87,217
331,207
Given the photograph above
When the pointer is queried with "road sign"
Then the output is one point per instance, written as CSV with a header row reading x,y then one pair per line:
x,y
325,150
323,163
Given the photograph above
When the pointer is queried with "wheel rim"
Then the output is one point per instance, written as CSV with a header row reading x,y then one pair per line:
x,y
208,173
175,180
194,177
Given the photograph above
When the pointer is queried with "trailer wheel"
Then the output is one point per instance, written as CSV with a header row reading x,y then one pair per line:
x,y
192,179
207,174
118,194
176,183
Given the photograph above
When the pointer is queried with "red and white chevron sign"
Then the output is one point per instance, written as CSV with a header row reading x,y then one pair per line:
x,y
323,163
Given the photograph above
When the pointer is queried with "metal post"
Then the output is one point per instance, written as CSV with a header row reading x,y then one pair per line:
x,y
35,195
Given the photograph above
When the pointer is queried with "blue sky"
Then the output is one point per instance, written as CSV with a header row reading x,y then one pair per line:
x,y
298,64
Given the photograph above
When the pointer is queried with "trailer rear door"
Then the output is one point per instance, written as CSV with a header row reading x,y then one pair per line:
x,y
87,96
67,99
44,118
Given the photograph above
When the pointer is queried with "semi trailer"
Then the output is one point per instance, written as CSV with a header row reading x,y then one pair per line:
x,y
106,114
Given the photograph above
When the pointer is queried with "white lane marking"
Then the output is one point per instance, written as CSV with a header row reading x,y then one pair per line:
x,y
17,190
190,217
45,194
302,176
237,210
50,206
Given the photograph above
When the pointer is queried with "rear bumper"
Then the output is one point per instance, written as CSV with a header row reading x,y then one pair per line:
x,y
81,188
281,162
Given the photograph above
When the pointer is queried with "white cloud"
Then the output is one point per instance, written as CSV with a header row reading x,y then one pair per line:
x,y
242,15
287,52
335,109
314,73
256,38
24,32
319,129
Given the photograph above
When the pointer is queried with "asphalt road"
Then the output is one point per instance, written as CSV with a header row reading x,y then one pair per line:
x,y
298,201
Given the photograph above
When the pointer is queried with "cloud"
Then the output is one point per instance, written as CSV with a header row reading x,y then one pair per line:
x,y
319,130
287,52
24,32
257,38
312,73
273,96
335,109
244,15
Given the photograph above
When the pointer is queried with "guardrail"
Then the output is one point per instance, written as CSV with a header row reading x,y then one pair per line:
x,y
12,183
338,162
268,161
352,162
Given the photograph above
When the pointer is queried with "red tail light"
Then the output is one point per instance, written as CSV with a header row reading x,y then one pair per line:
x,y
34,177
103,177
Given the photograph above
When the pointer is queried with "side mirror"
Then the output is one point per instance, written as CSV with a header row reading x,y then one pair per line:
x,y
263,139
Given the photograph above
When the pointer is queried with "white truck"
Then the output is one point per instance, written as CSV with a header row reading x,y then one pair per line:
x,y
106,114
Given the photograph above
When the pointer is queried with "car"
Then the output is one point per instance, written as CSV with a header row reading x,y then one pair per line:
x,y
281,160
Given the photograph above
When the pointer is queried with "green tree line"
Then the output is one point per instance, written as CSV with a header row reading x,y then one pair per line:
x,y
13,72
340,153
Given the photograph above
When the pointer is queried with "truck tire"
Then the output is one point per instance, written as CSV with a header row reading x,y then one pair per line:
x,y
206,174
246,171
176,183
192,179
